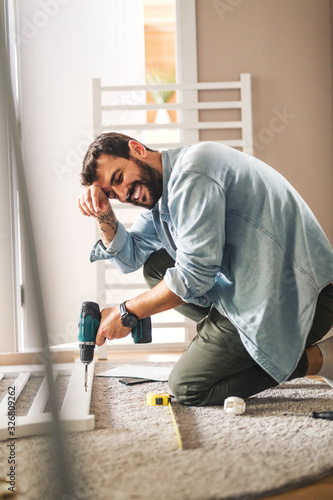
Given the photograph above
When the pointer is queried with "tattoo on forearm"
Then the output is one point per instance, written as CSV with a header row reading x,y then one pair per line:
x,y
107,226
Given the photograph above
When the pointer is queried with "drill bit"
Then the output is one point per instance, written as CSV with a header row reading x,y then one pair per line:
x,y
86,378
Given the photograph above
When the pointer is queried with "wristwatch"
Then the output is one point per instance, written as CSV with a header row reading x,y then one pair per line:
x,y
128,319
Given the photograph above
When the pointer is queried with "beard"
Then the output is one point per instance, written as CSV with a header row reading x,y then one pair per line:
x,y
152,179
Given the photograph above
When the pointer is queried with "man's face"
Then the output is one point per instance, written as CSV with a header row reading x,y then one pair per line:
x,y
129,181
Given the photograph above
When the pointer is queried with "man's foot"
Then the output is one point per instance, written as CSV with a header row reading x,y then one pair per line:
x,y
326,349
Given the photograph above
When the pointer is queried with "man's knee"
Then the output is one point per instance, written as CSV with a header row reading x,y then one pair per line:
x,y
156,266
185,393
149,274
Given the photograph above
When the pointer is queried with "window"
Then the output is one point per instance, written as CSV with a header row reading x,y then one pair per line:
x,y
10,296
162,66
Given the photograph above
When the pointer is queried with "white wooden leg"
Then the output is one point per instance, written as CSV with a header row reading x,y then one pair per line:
x,y
102,351
75,409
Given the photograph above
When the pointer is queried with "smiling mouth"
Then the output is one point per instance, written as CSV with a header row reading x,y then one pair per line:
x,y
136,193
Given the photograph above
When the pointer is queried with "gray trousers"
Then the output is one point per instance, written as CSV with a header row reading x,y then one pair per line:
x,y
216,365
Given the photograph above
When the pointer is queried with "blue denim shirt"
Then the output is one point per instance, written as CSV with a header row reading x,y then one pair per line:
x,y
243,240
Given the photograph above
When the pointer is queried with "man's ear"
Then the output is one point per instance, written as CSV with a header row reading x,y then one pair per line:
x,y
137,149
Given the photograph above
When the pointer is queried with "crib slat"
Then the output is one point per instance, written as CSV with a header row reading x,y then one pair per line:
x,y
18,385
41,398
74,414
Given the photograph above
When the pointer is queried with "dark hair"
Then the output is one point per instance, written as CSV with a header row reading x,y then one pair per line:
x,y
110,143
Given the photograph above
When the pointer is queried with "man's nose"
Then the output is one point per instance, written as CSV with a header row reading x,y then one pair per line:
x,y
121,192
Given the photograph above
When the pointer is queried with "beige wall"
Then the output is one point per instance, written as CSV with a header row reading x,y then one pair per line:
x,y
286,45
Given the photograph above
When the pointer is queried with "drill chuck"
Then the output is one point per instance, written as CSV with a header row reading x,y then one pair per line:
x,y
86,352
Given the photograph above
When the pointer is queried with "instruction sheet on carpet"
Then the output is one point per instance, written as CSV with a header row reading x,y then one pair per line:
x,y
156,373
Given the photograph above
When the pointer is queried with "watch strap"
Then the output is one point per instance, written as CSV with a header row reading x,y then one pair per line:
x,y
124,313
123,310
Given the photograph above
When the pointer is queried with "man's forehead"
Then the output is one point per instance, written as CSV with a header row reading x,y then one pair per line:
x,y
106,165
105,161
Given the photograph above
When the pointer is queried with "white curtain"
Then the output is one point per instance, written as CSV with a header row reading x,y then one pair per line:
x,y
64,44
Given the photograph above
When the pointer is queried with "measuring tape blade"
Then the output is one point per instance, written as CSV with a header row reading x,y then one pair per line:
x,y
164,399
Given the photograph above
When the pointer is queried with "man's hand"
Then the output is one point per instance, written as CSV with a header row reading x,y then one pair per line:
x,y
92,201
111,326
156,300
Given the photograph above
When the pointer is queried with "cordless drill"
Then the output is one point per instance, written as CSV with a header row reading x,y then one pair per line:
x,y
90,318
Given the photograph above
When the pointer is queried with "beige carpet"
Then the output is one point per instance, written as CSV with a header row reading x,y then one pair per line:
x,y
132,453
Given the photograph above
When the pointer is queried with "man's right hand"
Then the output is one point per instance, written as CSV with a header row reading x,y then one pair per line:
x,y
93,201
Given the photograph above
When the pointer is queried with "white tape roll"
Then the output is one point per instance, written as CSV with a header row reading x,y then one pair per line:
x,y
234,405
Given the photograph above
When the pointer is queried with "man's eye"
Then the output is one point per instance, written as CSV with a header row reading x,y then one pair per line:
x,y
119,179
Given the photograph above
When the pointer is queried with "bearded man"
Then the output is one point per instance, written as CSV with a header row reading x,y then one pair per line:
x,y
228,242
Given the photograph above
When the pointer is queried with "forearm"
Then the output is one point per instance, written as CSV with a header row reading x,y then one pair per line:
x,y
107,226
158,299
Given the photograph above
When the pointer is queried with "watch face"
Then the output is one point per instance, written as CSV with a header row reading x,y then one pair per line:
x,y
130,321
127,319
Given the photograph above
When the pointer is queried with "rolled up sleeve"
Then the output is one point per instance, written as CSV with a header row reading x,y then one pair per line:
x,y
129,250
197,209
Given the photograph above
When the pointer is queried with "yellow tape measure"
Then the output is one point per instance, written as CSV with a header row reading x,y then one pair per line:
x,y
164,399
158,399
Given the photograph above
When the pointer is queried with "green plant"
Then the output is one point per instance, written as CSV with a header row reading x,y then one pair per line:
x,y
160,77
